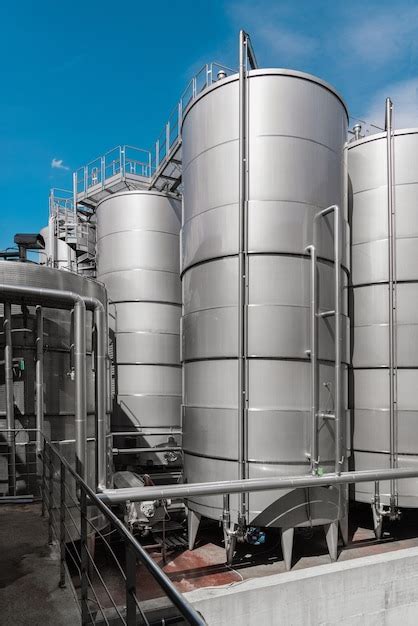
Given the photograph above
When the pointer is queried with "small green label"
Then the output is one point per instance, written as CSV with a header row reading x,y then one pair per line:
x,y
21,365
320,471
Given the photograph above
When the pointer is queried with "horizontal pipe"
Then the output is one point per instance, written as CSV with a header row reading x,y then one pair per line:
x,y
140,494
39,295
153,450
145,432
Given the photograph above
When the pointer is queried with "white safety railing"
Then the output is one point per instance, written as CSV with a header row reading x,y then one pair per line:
x,y
127,163
119,162
170,135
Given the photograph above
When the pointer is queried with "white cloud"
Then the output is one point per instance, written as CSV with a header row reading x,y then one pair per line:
x,y
58,164
275,42
285,43
381,37
404,96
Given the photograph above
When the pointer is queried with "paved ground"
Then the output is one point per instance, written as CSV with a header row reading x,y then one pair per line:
x,y
29,572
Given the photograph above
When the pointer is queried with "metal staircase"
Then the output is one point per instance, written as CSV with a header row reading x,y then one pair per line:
x,y
76,228
127,167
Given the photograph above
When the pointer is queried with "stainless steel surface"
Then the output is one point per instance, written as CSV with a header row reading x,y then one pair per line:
x,y
384,185
39,376
80,416
10,407
138,261
294,168
57,253
24,285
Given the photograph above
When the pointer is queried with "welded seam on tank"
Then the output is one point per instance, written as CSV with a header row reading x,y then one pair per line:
x,y
410,183
135,191
149,395
305,139
254,305
137,230
384,367
252,201
213,457
287,359
151,364
139,300
293,255
146,332
383,240
413,454
137,269
384,281
383,324
281,135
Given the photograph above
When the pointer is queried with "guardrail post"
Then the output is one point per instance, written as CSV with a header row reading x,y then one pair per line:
x,y
167,139
130,567
122,162
50,495
83,557
62,525
103,171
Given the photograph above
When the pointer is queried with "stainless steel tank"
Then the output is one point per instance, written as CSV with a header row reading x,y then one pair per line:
x,y
377,443
138,261
296,131
59,385
64,256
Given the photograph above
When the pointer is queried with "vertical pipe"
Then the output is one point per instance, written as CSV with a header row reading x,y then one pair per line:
x,y
10,409
242,280
43,482
338,339
52,242
39,378
101,395
62,525
314,361
50,495
80,391
393,414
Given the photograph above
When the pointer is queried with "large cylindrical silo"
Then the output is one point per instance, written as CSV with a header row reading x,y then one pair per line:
x,y
295,132
138,261
384,181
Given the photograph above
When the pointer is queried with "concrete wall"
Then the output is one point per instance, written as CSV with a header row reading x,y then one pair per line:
x,y
369,591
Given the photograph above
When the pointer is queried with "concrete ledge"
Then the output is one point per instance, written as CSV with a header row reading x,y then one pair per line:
x,y
369,591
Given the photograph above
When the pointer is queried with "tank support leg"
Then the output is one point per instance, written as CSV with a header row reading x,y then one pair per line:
x,y
331,534
377,522
287,546
193,523
230,537
344,529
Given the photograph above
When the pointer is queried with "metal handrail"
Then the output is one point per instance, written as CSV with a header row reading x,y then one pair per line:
x,y
91,499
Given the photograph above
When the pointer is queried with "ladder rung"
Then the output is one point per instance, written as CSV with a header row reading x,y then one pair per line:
x,y
326,416
326,314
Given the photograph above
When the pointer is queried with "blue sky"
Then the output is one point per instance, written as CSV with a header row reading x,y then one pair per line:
x,y
81,77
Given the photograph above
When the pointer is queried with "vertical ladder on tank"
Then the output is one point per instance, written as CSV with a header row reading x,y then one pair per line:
x,y
331,529
315,315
